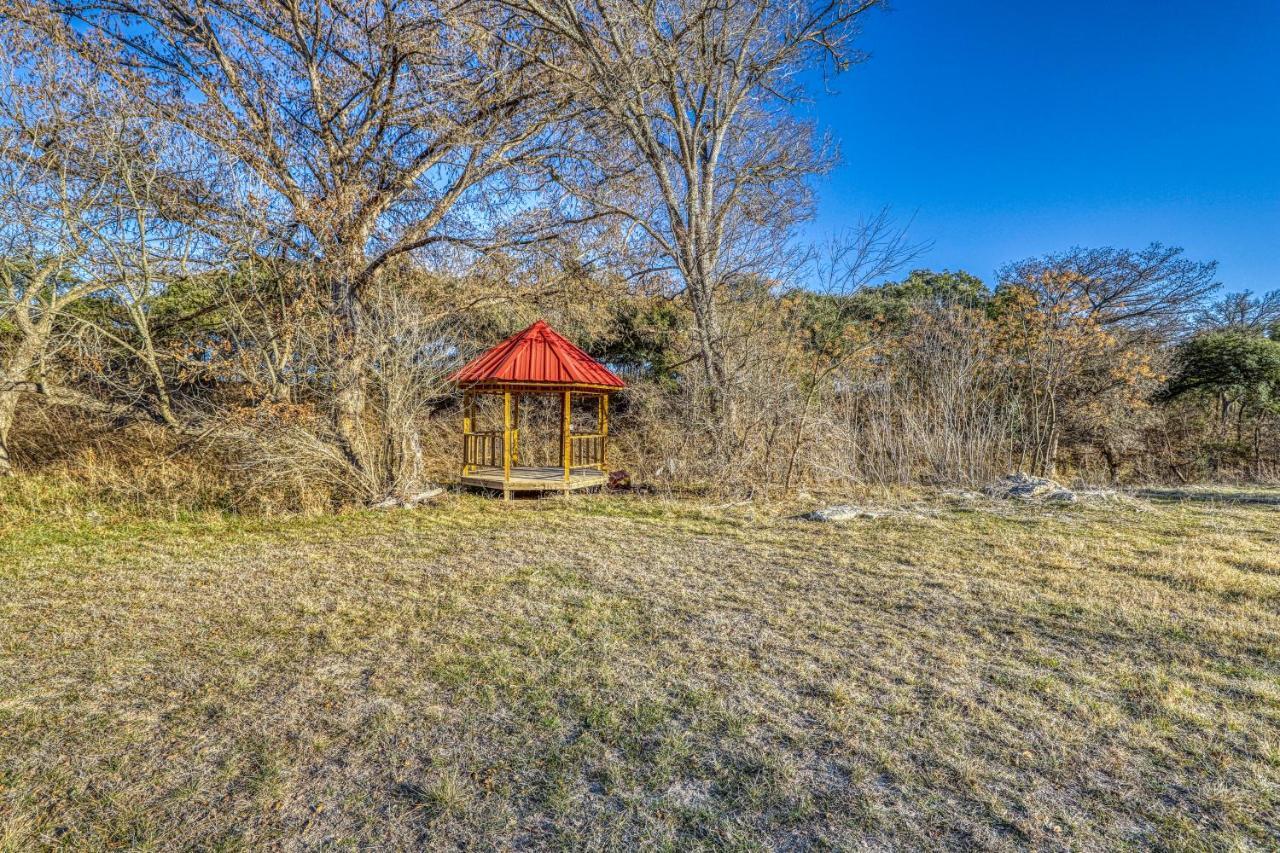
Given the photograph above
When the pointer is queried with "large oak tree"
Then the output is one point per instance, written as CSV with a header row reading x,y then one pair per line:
x,y
363,130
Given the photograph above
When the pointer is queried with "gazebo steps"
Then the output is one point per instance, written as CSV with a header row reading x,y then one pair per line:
x,y
533,479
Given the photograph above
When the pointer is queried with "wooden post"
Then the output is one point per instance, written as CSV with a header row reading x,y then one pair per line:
x,y
515,429
566,432
604,432
506,444
468,427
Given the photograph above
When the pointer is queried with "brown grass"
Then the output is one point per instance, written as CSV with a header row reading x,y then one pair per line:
x,y
599,672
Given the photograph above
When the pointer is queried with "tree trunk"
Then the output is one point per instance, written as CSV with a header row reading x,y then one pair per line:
x,y
1257,451
8,407
383,453
707,329
13,378
1113,462
349,353
151,361
1047,462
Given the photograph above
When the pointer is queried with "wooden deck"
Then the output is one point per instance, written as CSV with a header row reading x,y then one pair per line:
x,y
528,479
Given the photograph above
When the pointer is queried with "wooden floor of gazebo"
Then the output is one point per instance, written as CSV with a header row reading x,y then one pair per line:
x,y
532,479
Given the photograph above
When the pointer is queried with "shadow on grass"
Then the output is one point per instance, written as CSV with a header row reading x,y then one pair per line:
x,y
1267,498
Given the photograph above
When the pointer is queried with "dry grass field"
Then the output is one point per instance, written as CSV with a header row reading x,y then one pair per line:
x,y
600,672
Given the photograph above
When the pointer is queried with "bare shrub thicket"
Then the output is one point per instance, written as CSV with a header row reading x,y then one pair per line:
x,y
928,406
932,406
285,444
939,379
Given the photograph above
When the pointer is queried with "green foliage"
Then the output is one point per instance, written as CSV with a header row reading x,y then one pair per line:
x,y
828,321
824,322
892,303
645,338
946,287
184,299
1233,364
173,306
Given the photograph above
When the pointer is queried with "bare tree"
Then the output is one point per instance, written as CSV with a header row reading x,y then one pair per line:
x,y
372,130
1242,311
1156,290
688,131
63,148
148,252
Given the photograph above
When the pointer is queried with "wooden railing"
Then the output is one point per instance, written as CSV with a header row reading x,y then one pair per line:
x,y
483,449
587,450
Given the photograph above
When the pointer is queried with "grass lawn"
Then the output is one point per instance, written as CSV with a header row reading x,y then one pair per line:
x,y
599,672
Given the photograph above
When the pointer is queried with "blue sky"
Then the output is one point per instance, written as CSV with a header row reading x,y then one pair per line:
x,y
1012,129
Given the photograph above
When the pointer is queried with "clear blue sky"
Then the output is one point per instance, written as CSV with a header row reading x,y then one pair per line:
x,y
1017,127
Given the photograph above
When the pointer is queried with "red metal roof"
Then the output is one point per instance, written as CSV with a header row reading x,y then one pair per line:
x,y
541,355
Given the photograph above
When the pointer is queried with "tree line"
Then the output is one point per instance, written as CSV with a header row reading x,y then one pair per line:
x,y
261,232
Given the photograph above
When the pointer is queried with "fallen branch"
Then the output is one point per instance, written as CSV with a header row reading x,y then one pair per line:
x,y
396,502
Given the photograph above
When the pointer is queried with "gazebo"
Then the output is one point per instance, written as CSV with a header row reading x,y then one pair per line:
x,y
537,360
